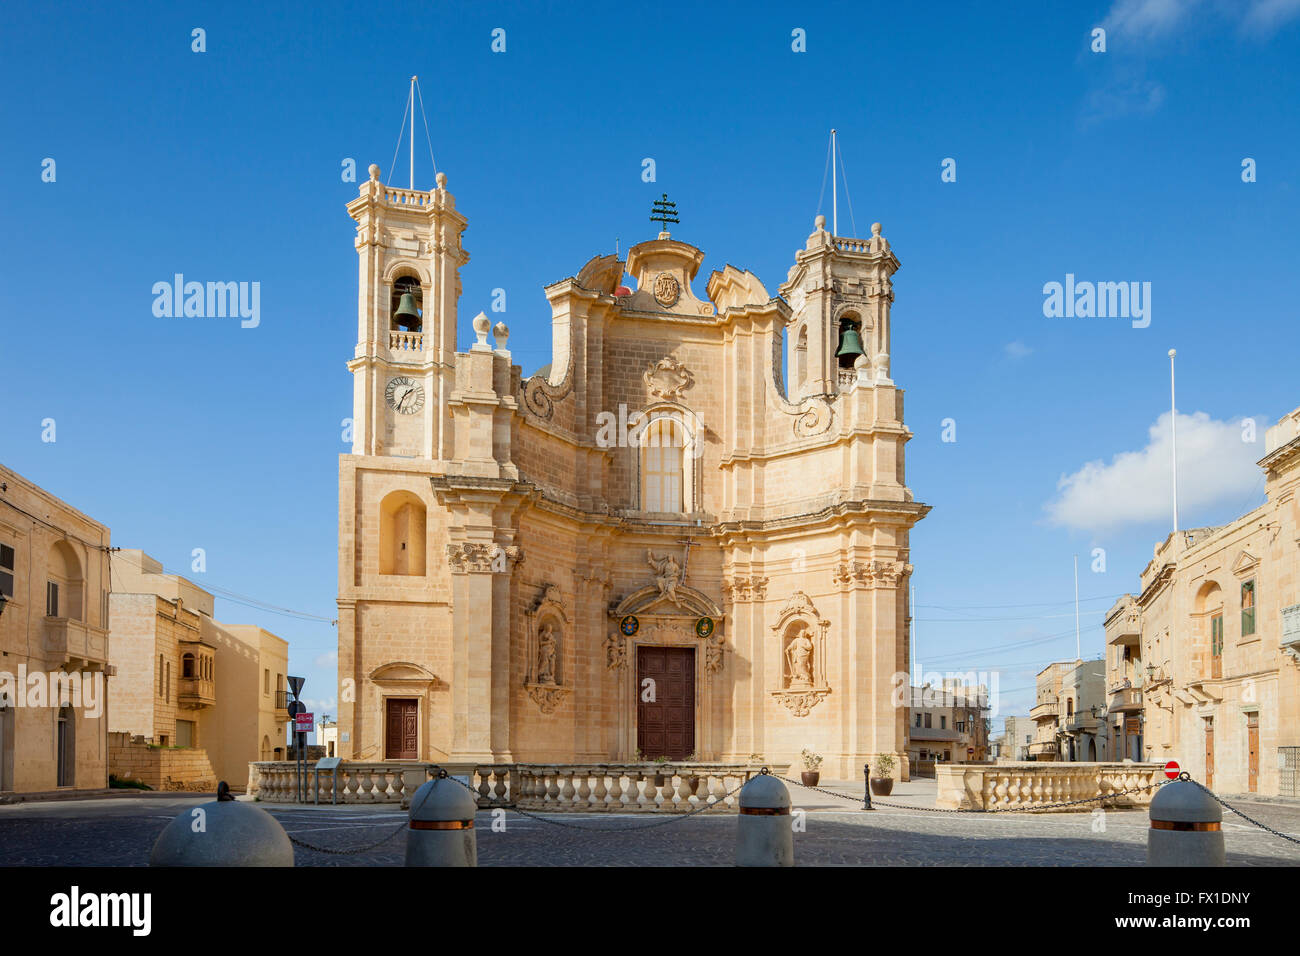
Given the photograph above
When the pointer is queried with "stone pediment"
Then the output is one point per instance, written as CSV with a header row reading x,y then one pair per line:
x,y
731,289
402,672
649,600
601,274
663,269
1244,563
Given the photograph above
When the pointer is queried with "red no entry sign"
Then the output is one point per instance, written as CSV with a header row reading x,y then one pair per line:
x,y
1171,769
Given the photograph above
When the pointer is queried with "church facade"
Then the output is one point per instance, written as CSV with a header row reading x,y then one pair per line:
x,y
685,537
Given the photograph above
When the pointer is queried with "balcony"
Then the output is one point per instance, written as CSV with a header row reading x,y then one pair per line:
x,y
1044,709
75,645
1291,632
1043,749
282,698
1127,629
195,694
1080,722
1125,699
401,341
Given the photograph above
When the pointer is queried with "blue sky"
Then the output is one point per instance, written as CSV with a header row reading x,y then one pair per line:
x,y
225,165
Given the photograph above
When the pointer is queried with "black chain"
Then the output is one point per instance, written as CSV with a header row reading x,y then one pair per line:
x,y
1030,808
673,818
1227,806
349,850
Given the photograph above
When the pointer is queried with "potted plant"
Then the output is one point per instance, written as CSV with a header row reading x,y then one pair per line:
x,y
882,784
811,768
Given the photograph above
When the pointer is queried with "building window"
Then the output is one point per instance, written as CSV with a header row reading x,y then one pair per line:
x,y
1216,646
6,570
960,727
918,720
51,599
1248,608
663,466
266,681
927,720
187,665
943,722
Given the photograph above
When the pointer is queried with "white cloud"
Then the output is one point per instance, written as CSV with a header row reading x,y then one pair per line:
x,y
1215,467
327,660
1017,350
321,705
1153,19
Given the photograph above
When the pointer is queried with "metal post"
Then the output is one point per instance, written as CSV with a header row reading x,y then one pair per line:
x,y
866,779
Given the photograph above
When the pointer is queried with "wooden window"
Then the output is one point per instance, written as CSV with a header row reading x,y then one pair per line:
x,y
6,570
1247,608
918,720
1216,646
927,720
943,722
663,466
51,599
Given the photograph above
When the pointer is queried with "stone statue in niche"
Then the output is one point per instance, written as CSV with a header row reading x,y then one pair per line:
x,y
798,655
668,574
546,648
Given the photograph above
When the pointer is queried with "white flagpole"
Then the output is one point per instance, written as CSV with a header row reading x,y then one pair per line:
x,y
412,178
1078,655
913,610
1173,433
835,194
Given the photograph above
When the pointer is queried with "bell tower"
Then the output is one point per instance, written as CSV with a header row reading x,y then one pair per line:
x,y
409,258
840,291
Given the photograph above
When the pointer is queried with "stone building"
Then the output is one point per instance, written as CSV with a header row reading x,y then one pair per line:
x,y
1013,744
54,647
1049,710
948,724
1203,664
685,535
194,700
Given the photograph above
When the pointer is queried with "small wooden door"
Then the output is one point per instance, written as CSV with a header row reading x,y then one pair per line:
x,y
401,729
1209,752
1252,749
665,710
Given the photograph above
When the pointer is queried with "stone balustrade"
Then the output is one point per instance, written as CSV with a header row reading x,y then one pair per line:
x,y
618,788
630,788
1007,785
402,341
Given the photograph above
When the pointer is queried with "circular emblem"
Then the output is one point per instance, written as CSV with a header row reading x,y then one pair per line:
x,y
704,627
666,290
405,395
628,626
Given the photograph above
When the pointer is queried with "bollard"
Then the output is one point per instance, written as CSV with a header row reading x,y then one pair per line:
x,y
225,832
764,836
1186,826
866,782
441,831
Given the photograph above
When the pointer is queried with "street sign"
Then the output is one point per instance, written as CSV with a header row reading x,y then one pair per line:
x,y
295,685
303,722
295,707
1171,770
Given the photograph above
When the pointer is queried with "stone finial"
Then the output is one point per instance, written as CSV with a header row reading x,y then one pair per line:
x,y
875,228
882,369
501,332
441,179
863,366
481,326
374,173
819,224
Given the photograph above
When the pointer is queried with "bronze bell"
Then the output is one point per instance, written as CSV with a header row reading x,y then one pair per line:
x,y
407,316
850,347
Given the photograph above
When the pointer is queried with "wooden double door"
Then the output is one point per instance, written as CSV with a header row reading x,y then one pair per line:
x,y
665,710
401,728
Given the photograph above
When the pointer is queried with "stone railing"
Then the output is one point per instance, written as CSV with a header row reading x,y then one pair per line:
x,y
591,788
630,788
1000,787
402,341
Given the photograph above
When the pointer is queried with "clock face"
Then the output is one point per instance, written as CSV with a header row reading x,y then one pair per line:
x,y
405,395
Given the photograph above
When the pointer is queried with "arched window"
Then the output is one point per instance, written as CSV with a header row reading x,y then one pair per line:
x,y
401,534
406,323
850,322
663,465
63,591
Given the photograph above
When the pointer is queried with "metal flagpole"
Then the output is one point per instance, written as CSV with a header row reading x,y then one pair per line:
x,y
412,178
835,194
1173,433
1077,650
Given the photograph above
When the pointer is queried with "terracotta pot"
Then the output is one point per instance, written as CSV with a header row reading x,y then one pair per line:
x,y
882,786
810,777
693,783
